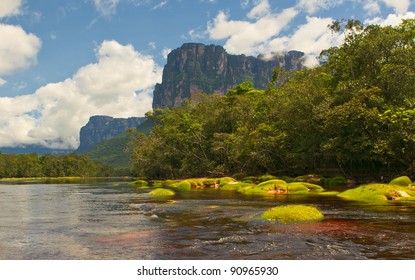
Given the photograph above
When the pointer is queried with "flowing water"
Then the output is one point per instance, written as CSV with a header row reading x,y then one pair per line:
x,y
107,220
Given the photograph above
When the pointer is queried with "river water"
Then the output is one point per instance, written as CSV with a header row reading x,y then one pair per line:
x,y
115,220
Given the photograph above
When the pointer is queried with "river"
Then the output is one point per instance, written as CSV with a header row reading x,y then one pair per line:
x,y
115,220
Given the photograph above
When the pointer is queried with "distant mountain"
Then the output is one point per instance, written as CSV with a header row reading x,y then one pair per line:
x,y
100,128
115,151
195,68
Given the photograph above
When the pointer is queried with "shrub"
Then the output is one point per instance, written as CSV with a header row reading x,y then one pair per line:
x,y
292,214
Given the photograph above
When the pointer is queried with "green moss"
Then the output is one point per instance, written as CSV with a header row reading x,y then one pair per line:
x,y
168,183
336,182
310,178
226,180
272,183
378,193
183,186
233,186
157,183
140,183
303,188
292,214
276,186
402,181
162,192
266,177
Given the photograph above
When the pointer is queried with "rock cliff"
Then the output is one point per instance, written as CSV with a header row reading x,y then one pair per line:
x,y
195,68
100,128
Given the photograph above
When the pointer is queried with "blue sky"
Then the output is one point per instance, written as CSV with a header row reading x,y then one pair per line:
x,y
62,61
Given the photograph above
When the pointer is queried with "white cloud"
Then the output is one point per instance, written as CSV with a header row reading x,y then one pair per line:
x,y
391,19
106,7
2,82
372,7
310,38
10,7
120,84
160,5
400,6
165,52
262,8
18,51
314,6
249,36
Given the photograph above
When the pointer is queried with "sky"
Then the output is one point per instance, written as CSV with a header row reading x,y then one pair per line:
x,y
62,61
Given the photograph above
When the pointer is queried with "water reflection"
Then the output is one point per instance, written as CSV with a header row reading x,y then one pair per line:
x,y
103,220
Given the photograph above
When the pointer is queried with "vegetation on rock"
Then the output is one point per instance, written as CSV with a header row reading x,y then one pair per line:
x,y
292,214
162,192
375,193
403,181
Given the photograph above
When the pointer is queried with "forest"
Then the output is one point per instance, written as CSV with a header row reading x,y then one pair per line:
x,y
352,116
33,165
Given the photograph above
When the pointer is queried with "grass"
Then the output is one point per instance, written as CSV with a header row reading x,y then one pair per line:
x,y
162,192
292,214
375,193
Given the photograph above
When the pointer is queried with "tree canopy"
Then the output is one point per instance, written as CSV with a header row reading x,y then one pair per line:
x,y
353,115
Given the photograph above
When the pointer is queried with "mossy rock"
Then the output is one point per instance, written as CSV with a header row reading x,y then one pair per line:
x,y
303,188
375,193
233,186
309,178
293,214
157,183
169,183
140,183
403,181
266,177
226,180
272,183
336,182
183,186
162,192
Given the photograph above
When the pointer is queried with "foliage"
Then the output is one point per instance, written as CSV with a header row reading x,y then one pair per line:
x,y
33,165
352,116
375,193
292,214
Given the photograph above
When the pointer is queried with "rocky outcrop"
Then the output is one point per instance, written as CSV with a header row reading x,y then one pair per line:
x,y
195,68
100,128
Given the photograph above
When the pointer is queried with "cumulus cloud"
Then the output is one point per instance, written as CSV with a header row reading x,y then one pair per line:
x,y
119,84
311,38
400,6
392,19
18,51
372,7
250,36
10,7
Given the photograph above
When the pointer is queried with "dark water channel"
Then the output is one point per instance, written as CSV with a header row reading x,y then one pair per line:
x,y
119,221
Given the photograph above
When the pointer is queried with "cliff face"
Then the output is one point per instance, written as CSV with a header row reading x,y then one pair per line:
x,y
100,128
195,68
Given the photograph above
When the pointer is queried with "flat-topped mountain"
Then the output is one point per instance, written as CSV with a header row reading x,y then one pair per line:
x,y
101,128
195,68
